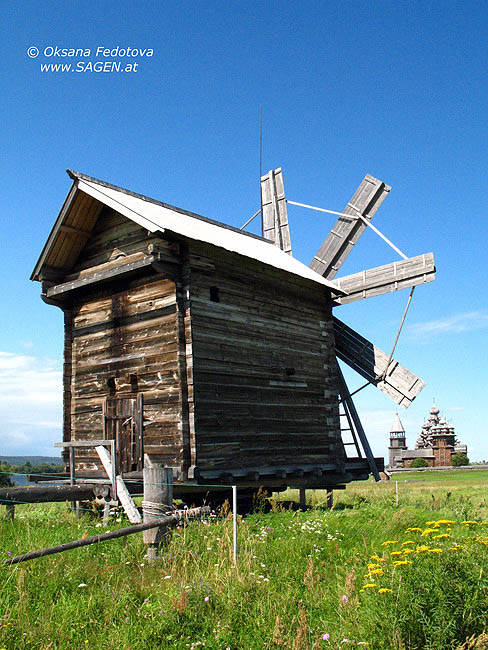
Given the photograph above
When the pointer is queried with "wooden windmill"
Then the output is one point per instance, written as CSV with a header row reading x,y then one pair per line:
x,y
378,368
211,350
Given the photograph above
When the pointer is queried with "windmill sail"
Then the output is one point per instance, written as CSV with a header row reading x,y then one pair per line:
x,y
401,385
346,232
275,215
387,278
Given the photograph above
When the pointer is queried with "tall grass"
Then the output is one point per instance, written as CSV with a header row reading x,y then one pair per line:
x,y
299,583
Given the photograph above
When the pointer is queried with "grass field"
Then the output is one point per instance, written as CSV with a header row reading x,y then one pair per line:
x,y
368,574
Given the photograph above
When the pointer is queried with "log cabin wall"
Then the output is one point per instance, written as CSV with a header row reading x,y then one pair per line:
x,y
123,352
264,369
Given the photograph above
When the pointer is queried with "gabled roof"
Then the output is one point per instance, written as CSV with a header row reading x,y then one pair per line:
x,y
88,195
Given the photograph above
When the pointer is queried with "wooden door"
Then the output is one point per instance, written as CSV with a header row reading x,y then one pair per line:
x,y
122,422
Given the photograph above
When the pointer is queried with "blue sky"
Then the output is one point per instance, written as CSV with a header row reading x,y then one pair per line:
x,y
395,89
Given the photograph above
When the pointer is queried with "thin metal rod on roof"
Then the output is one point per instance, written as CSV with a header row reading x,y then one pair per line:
x,y
261,166
350,216
249,220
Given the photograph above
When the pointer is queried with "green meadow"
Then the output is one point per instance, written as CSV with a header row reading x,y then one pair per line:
x,y
366,574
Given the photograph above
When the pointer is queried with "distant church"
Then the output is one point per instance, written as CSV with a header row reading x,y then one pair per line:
x,y
436,443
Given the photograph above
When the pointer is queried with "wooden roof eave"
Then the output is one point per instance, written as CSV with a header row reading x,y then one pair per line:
x,y
307,282
36,273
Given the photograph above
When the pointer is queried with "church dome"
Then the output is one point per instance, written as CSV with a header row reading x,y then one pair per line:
x,y
434,410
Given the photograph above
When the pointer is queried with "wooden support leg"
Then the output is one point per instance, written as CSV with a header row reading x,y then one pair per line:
x,y
158,498
10,511
330,498
303,498
106,512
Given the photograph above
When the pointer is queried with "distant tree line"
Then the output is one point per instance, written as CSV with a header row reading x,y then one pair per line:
x,y
6,471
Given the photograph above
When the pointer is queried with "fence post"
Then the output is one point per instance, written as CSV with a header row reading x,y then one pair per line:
x,y
234,523
158,499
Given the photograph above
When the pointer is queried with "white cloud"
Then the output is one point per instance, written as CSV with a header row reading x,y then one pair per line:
x,y
458,323
30,404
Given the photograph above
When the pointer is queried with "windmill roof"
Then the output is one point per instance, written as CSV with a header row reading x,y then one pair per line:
x,y
157,216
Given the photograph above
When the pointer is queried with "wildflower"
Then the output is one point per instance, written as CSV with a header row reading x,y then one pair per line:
x,y
373,566
377,558
413,530
431,523
383,590
167,577
441,536
389,541
408,542
407,551
435,550
422,549
469,523
455,548
344,598
206,599
447,522
370,585
401,562
375,572
395,553
81,585
9,553
326,637
429,531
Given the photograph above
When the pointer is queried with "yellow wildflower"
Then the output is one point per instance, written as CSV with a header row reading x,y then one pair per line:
x,y
390,541
401,562
408,542
431,523
376,572
469,523
370,585
373,566
413,530
383,590
455,548
429,531
377,558
441,536
445,522
484,523
435,550
408,550
395,553
422,549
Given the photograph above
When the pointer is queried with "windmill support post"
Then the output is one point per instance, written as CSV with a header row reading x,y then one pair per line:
x,y
158,500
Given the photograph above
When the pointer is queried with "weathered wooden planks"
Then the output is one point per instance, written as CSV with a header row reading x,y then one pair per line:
x,y
401,385
387,278
366,200
260,372
275,215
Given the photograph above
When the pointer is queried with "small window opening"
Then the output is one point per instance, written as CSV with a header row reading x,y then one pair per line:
x,y
111,385
133,383
214,294
290,372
